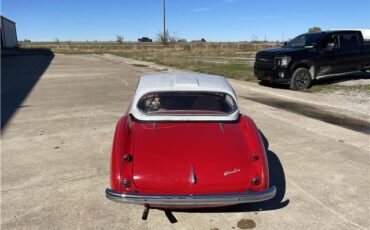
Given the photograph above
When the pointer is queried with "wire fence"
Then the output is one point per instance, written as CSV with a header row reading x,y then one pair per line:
x,y
147,46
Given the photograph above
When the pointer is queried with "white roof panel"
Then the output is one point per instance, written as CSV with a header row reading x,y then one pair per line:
x,y
181,82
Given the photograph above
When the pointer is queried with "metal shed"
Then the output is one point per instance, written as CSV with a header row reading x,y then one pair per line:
x,y
8,33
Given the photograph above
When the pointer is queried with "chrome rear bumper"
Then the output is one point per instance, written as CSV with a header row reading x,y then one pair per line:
x,y
192,200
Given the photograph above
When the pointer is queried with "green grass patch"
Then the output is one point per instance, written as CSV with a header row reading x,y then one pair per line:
x,y
235,71
189,61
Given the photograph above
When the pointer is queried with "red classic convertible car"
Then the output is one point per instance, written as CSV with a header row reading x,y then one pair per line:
x,y
184,144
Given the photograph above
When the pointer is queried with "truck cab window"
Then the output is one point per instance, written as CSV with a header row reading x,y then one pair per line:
x,y
349,41
332,40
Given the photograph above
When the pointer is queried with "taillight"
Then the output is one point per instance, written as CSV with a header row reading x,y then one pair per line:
x,y
255,157
127,158
126,183
256,181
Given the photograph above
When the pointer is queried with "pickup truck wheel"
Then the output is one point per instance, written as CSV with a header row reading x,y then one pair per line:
x,y
301,79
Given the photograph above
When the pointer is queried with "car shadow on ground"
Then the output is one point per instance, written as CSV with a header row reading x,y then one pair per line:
x,y
21,69
277,178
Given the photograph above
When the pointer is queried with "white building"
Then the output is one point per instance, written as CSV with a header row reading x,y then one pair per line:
x,y
8,33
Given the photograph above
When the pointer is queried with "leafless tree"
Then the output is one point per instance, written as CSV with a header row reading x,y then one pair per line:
x,y
162,37
56,40
119,39
314,29
167,38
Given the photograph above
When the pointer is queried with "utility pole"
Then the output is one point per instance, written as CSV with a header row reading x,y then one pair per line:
x,y
164,22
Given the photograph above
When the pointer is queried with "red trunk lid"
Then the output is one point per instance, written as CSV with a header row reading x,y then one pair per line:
x,y
168,155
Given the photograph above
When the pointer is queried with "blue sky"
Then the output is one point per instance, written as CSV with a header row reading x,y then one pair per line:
x,y
214,20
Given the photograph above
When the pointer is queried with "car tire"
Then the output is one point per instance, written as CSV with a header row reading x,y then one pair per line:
x,y
301,79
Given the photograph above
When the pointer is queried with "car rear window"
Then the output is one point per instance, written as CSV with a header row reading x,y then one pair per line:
x,y
187,103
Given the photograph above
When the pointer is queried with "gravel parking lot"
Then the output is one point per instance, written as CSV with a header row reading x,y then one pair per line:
x,y
58,118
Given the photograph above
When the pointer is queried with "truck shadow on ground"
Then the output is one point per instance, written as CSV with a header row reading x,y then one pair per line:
x,y
343,78
277,178
21,69
325,81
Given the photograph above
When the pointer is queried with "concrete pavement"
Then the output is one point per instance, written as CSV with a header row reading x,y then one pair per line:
x,y
55,154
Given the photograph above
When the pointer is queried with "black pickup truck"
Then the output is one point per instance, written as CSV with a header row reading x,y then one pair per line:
x,y
313,56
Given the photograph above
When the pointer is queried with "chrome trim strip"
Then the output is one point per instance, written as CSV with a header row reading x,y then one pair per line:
x,y
192,200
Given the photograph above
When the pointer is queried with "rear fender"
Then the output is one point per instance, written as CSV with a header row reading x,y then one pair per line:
x,y
121,169
259,168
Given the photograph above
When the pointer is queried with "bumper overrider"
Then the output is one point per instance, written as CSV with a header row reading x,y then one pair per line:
x,y
192,200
